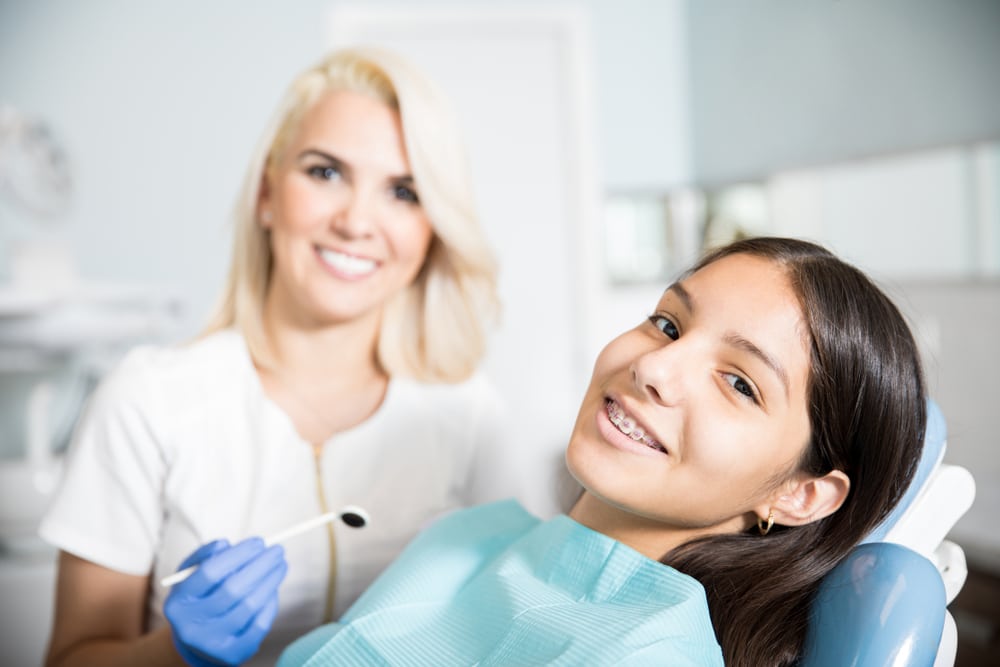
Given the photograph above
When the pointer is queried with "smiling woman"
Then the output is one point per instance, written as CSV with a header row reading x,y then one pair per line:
x,y
339,369
733,448
340,191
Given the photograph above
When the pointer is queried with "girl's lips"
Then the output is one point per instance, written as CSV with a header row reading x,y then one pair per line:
x,y
617,423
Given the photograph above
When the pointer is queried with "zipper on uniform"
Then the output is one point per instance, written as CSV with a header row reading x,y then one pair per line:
x,y
331,588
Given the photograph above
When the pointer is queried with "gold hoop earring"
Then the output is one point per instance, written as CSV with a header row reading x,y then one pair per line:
x,y
764,530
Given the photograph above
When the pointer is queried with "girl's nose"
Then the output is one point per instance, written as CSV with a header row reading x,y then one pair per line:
x,y
660,374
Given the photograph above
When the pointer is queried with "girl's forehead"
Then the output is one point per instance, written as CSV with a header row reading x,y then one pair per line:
x,y
738,273
743,297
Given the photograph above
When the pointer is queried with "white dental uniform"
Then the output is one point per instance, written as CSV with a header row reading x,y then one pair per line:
x,y
180,446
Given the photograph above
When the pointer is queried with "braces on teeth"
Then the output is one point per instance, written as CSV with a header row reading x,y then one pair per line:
x,y
628,426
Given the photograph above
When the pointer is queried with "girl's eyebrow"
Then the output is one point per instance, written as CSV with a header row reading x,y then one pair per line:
x,y
739,342
683,295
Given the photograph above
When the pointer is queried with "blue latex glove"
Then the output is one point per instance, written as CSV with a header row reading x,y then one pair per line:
x,y
222,612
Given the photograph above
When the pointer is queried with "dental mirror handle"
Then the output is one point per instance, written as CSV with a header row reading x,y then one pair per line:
x,y
352,515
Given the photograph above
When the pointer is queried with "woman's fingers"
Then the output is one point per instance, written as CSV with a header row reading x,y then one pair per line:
x,y
203,552
215,569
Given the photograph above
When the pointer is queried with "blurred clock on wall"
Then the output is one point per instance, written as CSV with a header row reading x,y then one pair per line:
x,y
34,172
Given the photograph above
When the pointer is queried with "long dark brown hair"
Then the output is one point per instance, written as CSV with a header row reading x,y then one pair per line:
x,y
867,416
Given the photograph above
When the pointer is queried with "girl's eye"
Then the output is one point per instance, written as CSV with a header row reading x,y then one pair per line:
x,y
741,386
403,193
665,325
326,173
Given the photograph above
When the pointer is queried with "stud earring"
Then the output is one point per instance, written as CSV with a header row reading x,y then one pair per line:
x,y
266,217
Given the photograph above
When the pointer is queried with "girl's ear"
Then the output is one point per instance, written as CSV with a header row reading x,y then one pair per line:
x,y
806,499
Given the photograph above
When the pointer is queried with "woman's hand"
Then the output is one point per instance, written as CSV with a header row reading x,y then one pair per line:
x,y
222,612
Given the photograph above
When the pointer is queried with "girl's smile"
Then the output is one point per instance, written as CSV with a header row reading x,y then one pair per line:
x,y
638,439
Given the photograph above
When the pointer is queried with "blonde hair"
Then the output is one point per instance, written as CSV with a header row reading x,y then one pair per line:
x,y
435,328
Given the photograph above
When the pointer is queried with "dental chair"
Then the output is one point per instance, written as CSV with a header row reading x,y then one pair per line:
x,y
886,604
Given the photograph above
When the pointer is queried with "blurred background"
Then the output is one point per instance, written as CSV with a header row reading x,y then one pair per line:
x,y
610,141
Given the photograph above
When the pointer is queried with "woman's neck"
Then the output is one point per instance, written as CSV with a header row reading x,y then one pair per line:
x,y
326,378
320,354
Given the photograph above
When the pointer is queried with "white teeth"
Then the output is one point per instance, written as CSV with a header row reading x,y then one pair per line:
x,y
355,266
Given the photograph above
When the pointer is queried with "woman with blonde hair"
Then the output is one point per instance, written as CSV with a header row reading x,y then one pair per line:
x,y
338,370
